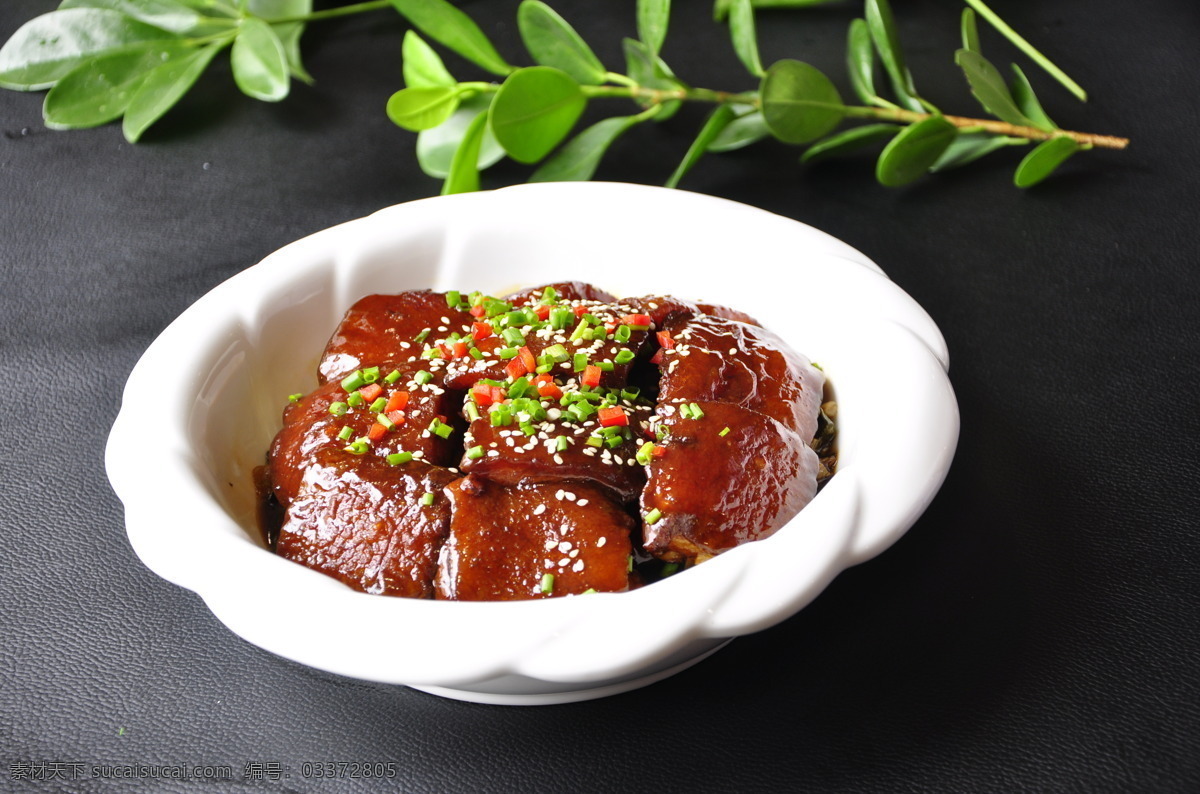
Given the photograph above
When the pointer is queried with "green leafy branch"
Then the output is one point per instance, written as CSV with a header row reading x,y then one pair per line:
x,y
107,59
466,126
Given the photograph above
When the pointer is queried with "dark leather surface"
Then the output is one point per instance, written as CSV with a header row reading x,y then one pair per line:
x,y
1037,630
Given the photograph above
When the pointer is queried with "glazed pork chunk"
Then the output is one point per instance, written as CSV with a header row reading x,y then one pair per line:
x,y
385,328
532,541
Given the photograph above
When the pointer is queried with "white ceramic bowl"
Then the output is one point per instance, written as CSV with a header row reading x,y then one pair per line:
x,y
214,383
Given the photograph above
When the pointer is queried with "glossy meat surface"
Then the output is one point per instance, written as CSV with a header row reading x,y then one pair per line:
x,y
511,457
503,541
383,328
566,290
366,526
717,491
721,360
310,433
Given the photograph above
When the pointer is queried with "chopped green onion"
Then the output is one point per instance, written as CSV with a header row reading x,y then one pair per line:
x,y
471,410
558,353
724,432
653,516
392,376
452,298
475,452
625,356
370,374
345,433
595,441
354,381
549,295
644,453
685,411
508,352
579,331
598,333
670,568
423,377
379,405
383,419
500,417
421,337
605,366
295,398
589,591
519,388
547,585
338,408
358,447
427,499
696,412
476,353
580,362
475,298
542,369
396,458
630,394
614,441
560,318
528,429
513,337
516,318
662,432
356,400
495,307
562,444
623,333
592,319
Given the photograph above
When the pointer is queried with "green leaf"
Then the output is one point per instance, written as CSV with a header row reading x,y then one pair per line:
x,y
464,168
650,71
166,14
1043,160
748,128
289,32
423,67
860,61
745,38
553,42
969,147
419,109
970,32
577,160
882,26
911,153
988,87
162,87
799,102
1027,101
46,48
100,89
259,62
721,8
450,27
436,146
848,141
652,19
717,120
534,110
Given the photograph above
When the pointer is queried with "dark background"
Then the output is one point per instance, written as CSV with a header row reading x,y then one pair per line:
x,y
1037,630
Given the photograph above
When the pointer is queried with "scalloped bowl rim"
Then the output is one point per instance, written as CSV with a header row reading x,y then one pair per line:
x,y
231,349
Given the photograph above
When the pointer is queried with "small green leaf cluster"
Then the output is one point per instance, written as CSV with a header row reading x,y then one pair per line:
x,y
530,115
107,59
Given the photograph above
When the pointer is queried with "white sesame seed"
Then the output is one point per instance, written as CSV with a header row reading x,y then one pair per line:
x,y
446,320
573,553
578,566
558,494
563,561
582,502
550,544
558,459
563,546
600,543
537,511
569,496
493,453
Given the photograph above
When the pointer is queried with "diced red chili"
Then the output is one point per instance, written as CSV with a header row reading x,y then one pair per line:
x,y
543,312
527,359
458,349
482,394
636,319
397,400
371,392
481,330
397,416
376,432
665,340
515,368
658,451
478,311
657,357
613,417
591,376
